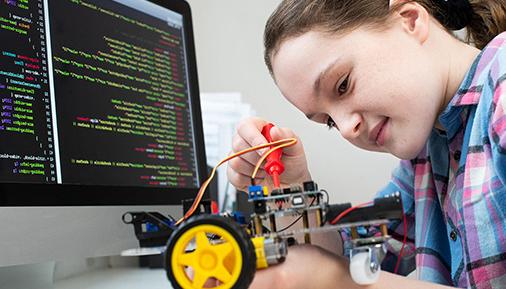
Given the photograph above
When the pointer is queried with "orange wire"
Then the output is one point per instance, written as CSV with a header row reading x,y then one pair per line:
x,y
200,194
290,142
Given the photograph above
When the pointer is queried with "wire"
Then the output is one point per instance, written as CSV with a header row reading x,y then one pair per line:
x,y
288,227
279,144
347,211
294,222
404,239
289,142
326,193
405,228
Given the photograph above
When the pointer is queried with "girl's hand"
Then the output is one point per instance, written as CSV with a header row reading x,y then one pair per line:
x,y
241,168
306,266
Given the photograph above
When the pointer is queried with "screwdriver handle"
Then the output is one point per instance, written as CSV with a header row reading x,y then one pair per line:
x,y
274,167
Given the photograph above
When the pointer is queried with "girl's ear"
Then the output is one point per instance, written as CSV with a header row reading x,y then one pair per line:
x,y
414,18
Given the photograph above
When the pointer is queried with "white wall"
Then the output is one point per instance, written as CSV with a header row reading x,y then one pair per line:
x,y
229,43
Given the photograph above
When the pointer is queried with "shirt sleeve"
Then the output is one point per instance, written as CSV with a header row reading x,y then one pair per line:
x,y
497,130
491,216
402,181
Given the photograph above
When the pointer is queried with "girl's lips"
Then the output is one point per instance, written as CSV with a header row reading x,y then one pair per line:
x,y
380,139
378,134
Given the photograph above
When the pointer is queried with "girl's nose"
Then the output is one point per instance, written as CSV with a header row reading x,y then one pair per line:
x,y
350,126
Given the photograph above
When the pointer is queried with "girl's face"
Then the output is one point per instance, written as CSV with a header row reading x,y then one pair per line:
x,y
381,90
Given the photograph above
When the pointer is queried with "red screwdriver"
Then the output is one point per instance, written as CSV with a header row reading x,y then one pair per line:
x,y
274,167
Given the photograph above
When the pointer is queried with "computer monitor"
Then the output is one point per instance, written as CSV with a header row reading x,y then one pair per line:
x,y
99,111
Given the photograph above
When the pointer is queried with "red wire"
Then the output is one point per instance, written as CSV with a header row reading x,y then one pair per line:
x,y
404,239
405,227
347,211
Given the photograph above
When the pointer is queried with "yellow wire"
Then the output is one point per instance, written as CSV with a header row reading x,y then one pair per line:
x,y
291,141
279,144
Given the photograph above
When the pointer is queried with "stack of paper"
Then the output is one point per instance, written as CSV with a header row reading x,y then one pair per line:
x,y
221,112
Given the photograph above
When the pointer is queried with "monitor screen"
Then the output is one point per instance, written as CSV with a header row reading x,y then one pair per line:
x,y
99,103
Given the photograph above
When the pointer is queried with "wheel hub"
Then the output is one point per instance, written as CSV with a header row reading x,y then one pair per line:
x,y
208,260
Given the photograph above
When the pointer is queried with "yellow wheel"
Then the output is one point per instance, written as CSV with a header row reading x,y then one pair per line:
x,y
209,251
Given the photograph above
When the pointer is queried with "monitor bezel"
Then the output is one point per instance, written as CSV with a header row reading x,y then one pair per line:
x,y
28,194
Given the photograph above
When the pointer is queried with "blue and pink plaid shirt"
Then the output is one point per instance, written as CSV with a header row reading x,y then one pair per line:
x,y
454,192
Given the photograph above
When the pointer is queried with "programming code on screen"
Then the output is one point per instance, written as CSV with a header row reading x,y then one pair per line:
x,y
94,92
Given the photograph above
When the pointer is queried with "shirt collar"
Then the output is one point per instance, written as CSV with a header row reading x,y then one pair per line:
x,y
468,94
470,89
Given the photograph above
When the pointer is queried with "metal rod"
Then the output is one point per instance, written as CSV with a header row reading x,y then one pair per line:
x,y
354,233
272,219
258,226
319,218
384,229
305,221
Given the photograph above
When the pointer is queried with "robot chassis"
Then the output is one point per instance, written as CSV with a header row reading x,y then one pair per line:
x,y
228,248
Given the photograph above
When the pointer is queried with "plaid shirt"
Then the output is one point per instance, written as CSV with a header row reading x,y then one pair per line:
x,y
454,192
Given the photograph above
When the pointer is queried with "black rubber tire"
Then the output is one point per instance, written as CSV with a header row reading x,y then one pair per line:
x,y
243,240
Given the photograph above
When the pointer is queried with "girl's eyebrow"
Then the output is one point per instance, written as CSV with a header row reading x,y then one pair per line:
x,y
322,75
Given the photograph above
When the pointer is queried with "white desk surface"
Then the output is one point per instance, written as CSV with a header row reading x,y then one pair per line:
x,y
117,278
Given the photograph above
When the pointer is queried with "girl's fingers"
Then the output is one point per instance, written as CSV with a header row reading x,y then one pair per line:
x,y
245,168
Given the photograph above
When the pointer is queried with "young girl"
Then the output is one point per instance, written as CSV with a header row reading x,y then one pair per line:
x,y
391,78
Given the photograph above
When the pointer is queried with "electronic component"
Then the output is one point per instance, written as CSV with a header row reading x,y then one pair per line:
x,y
217,248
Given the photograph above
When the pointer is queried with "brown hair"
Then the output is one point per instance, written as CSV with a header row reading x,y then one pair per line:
x,y
296,17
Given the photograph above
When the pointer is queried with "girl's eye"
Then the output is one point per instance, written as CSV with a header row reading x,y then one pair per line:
x,y
330,123
343,87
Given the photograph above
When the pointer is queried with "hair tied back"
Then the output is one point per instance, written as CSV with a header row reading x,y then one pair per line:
x,y
454,14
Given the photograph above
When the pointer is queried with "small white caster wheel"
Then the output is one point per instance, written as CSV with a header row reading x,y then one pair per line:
x,y
361,270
